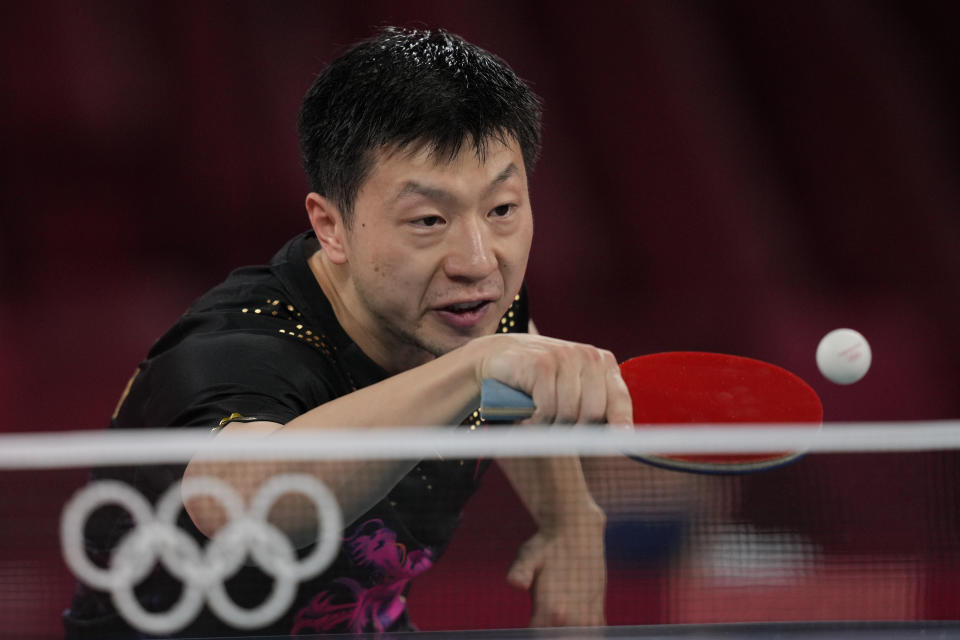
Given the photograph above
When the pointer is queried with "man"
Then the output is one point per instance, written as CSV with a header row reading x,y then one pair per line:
x,y
404,295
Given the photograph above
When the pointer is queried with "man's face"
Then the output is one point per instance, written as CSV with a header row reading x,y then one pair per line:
x,y
437,250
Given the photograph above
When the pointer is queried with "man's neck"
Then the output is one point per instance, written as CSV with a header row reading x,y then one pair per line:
x,y
344,301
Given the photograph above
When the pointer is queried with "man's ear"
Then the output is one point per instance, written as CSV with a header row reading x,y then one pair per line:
x,y
326,219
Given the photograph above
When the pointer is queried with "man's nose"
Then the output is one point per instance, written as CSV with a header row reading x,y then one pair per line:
x,y
472,254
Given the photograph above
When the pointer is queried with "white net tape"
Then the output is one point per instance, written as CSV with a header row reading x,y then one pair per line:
x,y
72,449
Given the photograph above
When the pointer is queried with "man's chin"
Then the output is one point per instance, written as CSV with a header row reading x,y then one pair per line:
x,y
440,348
442,345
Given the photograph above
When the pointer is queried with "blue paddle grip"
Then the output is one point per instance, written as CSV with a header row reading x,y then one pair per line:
x,y
502,403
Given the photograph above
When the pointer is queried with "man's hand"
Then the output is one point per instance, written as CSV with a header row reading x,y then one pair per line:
x,y
564,570
568,382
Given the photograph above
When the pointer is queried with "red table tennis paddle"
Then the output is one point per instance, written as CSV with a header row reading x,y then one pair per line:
x,y
694,388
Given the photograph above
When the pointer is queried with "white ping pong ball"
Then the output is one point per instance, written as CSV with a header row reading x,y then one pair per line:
x,y
843,356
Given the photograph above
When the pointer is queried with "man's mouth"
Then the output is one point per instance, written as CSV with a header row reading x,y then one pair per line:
x,y
464,315
465,307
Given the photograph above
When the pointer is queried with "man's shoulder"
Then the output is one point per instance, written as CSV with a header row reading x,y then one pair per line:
x,y
254,319
235,357
279,299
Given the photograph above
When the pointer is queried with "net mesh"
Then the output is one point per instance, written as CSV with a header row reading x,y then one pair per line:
x,y
835,536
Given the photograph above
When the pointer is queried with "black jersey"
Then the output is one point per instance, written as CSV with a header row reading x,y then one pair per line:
x,y
266,345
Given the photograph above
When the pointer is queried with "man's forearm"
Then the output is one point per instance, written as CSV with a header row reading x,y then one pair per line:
x,y
554,490
562,565
442,392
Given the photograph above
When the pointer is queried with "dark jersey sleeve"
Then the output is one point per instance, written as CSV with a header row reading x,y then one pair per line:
x,y
210,379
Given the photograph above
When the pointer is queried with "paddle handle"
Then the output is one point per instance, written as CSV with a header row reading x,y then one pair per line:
x,y
502,403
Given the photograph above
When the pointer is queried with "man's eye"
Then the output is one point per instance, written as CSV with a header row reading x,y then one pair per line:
x,y
502,210
428,221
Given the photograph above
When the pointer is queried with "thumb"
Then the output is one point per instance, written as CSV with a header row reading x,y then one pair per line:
x,y
524,569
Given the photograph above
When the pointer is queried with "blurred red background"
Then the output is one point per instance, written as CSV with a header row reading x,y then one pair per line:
x,y
730,176
724,176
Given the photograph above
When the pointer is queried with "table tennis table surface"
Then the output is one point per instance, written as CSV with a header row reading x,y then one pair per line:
x,y
746,631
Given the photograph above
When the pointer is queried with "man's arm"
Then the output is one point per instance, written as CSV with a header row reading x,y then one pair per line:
x,y
437,393
562,565
569,382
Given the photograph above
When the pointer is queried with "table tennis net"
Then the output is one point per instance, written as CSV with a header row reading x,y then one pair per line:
x,y
862,527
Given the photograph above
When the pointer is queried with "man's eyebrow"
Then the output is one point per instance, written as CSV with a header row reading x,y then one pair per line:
x,y
502,177
412,187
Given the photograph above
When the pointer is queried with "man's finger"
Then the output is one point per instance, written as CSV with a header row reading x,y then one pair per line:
x,y
619,404
524,569
520,577
548,616
569,390
593,401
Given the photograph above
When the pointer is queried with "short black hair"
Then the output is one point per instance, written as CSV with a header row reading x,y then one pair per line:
x,y
405,87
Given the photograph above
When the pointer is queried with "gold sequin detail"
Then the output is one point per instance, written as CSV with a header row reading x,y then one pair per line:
x,y
126,392
473,421
231,418
317,341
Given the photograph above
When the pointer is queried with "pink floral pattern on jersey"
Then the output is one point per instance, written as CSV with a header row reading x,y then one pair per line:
x,y
375,603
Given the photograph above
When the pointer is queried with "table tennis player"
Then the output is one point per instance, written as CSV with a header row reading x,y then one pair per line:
x,y
405,292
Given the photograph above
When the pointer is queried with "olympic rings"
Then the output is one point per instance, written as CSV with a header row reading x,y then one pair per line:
x,y
155,537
